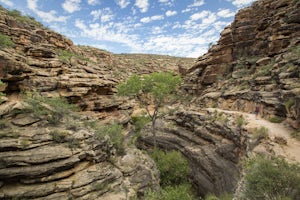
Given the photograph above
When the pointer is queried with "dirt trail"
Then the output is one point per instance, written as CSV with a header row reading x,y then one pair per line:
x,y
291,151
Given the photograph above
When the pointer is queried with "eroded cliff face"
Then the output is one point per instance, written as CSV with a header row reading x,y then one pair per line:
x,y
256,60
50,64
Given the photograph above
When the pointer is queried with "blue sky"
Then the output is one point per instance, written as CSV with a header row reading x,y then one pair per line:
x,y
170,27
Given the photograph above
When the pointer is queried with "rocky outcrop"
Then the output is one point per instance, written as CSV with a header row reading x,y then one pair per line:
x,y
212,143
50,64
66,161
256,61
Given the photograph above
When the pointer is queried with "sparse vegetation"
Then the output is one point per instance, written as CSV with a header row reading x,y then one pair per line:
x,y
5,41
54,109
296,134
276,119
221,197
59,136
289,103
240,121
114,131
180,192
65,56
271,179
140,122
153,89
260,133
24,18
174,168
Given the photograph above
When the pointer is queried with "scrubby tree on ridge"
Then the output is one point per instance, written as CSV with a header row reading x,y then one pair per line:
x,y
153,89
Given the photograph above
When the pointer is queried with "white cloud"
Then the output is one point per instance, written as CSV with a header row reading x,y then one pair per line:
x,y
167,2
104,15
71,5
79,24
111,32
199,15
143,5
197,3
171,13
152,18
225,13
7,2
157,30
50,16
93,2
241,3
123,3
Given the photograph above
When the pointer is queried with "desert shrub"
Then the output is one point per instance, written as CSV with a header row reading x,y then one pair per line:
x,y
289,103
24,18
114,131
140,122
240,121
5,41
224,196
275,119
54,108
296,134
271,179
173,166
179,192
260,133
59,136
65,55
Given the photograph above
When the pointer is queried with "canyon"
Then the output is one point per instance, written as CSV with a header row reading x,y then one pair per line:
x,y
255,62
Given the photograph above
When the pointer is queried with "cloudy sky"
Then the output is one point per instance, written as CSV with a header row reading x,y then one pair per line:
x,y
171,27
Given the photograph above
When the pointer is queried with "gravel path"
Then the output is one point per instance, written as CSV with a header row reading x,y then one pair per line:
x,y
291,150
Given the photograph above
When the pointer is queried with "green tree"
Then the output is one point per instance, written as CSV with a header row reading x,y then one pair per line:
x,y
271,179
153,89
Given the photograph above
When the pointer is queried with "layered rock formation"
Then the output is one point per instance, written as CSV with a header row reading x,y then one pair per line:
x,y
256,60
49,63
211,141
67,160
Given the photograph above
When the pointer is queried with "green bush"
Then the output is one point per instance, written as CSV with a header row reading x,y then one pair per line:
x,y
174,168
54,108
5,41
260,133
240,121
1,84
114,131
271,179
296,134
275,119
140,122
59,136
289,103
24,19
225,196
180,192
65,55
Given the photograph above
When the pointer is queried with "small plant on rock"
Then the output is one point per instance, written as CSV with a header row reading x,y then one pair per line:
x,y
241,121
260,133
276,119
5,41
271,179
114,131
174,168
